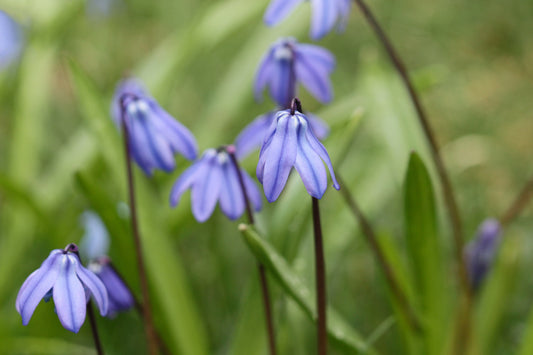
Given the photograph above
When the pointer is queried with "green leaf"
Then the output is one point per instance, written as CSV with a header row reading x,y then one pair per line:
x,y
338,329
424,251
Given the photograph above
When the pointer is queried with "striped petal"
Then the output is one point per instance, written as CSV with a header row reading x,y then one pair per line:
x,y
263,74
314,78
278,10
206,190
95,286
185,181
253,135
231,198
282,82
254,195
324,14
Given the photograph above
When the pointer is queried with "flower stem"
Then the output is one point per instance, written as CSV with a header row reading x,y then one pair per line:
x,y
147,311
320,272
447,191
388,271
94,329
519,203
262,273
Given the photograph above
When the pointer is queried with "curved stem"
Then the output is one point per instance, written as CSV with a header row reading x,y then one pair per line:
x,y
147,311
262,273
519,203
320,274
447,191
388,271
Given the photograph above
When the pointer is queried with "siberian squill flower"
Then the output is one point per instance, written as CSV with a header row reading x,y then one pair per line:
x,y
95,242
288,63
154,135
325,14
480,252
11,40
214,178
291,142
120,297
70,285
253,135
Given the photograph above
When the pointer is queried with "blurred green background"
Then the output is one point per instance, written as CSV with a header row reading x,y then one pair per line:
x,y
472,62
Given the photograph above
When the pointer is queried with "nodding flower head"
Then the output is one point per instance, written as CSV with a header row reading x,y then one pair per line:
x,y
325,14
214,178
290,142
480,252
288,63
12,40
154,135
253,135
63,276
120,297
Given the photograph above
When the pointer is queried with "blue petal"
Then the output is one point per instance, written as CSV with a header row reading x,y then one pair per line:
x,y
37,285
263,74
343,10
323,153
254,196
95,286
282,82
278,10
186,180
323,17
280,157
314,77
319,127
95,241
231,197
206,190
120,297
309,165
317,55
69,295
139,143
161,152
253,135
128,86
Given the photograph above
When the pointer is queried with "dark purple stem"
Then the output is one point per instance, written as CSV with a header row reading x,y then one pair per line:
x,y
94,329
262,273
147,311
518,205
320,271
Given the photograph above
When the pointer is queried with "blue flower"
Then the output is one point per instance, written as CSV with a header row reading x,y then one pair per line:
x,y
290,142
154,135
288,63
325,14
11,42
95,241
214,178
480,252
253,135
120,297
71,285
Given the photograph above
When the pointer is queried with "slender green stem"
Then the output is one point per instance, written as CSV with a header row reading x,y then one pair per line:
x,y
320,273
94,329
262,273
147,310
518,204
388,271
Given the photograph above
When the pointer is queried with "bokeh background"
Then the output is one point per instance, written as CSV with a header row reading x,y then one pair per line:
x,y
472,63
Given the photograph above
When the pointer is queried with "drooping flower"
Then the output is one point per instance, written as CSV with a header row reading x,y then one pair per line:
x,y
71,286
288,63
11,42
120,297
480,252
325,14
253,135
290,142
154,135
95,241
214,178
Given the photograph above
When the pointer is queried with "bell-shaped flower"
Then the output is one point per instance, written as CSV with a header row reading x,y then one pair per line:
x,y
291,142
11,42
70,284
253,135
480,252
120,296
325,14
154,135
288,63
214,178
95,242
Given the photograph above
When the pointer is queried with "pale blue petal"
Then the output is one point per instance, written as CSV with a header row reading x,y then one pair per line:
x,y
253,135
309,165
343,10
254,195
231,198
69,296
263,75
319,127
278,10
139,144
95,241
282,82
319,56
314,78
95,286
185,181
206,191
161,152
37,285
324,14
280,157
